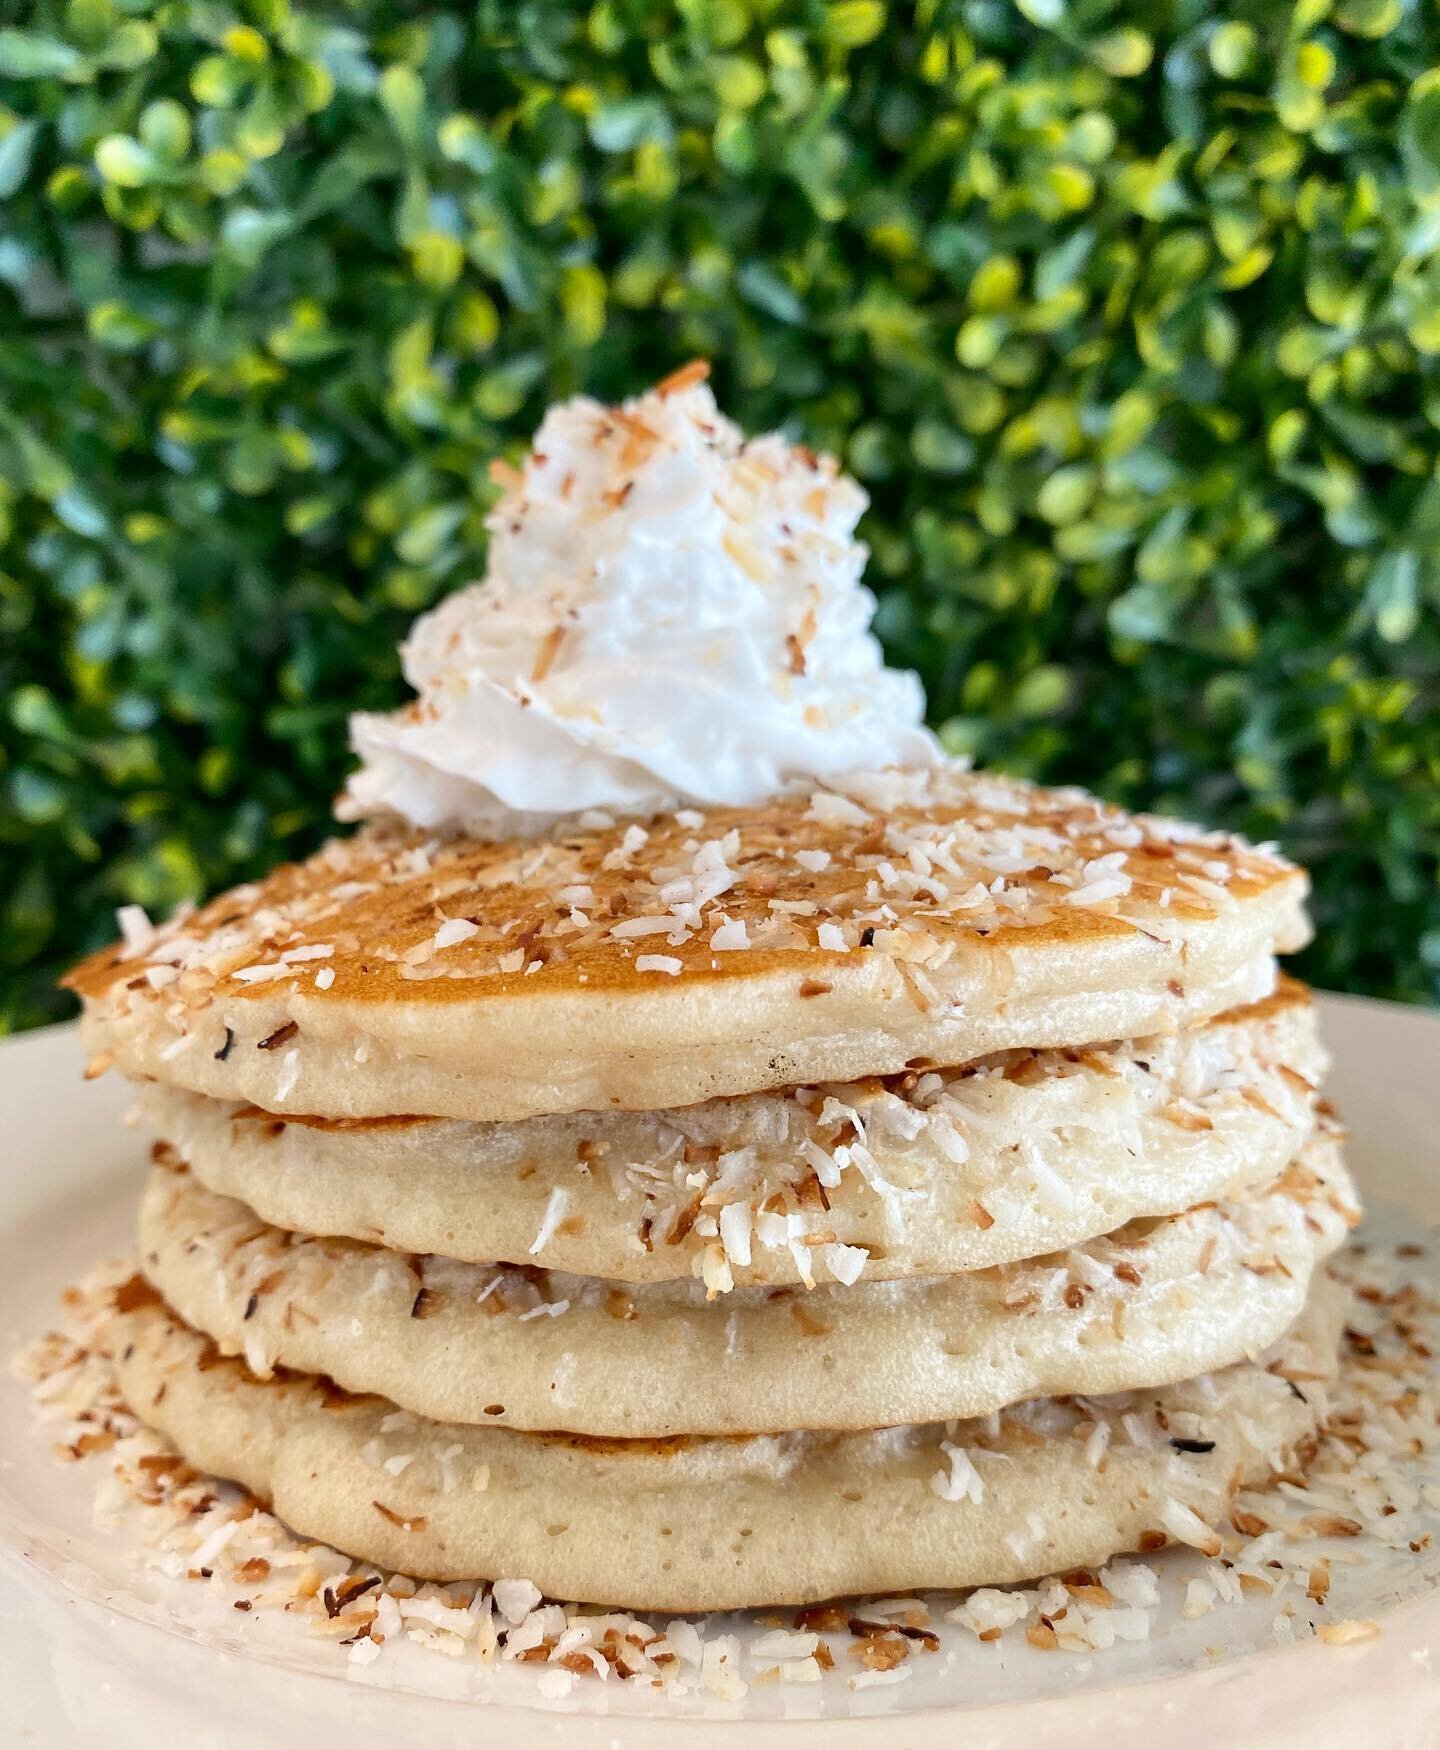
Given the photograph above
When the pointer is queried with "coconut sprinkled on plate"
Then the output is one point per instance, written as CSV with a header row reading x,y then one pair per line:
x,y
1370,1491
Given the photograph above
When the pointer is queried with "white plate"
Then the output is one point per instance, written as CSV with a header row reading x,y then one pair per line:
x,y
94,1650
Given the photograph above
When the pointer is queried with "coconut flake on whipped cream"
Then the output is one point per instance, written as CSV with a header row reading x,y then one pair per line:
x,y
672,615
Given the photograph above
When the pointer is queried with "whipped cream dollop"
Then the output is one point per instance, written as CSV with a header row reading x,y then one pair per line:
x,y
672,615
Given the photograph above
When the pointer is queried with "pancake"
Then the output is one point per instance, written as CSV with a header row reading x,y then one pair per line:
x,y
1017,1155
690,1525
533,1349
902,920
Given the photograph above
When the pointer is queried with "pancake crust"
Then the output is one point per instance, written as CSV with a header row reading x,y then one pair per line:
x,y
910,918
532,1349
690,1525
1017,1155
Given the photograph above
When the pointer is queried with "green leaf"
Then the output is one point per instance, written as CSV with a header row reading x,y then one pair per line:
x,y
1233,47
403,98
124,161
764,288
249,231
621,127
463,140
17,149
941,449
37,797
129,45
1392,596
421,541
1065,496
1420,133
1144,613
165,129
851,23
118,328
27,55
1042,692
218,81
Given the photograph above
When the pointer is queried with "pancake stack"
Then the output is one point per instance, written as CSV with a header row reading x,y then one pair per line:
x,y
915,1181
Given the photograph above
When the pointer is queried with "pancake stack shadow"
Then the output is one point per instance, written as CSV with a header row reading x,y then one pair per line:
x,y
921,1183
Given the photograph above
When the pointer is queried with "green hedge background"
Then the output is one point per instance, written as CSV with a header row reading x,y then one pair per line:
x,y
1127,316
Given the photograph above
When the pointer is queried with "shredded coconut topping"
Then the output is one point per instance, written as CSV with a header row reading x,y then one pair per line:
x,y
918,866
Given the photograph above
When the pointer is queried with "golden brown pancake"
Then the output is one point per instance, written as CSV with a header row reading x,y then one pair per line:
x,y
899,921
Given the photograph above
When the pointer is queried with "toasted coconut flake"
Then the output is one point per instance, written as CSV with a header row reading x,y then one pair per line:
x,y
1186,1526
686,377
880,1652
1348,1633
546,654
398,1519
454,930
666,963
136,931
556,1208
1187,1118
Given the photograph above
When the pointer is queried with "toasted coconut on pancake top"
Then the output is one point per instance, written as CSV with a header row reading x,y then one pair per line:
x,y
895,923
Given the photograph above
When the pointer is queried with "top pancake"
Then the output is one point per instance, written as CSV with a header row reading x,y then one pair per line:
x,y
898,920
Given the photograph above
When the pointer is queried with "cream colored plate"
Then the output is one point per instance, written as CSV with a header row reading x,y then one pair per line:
x,y
96,1650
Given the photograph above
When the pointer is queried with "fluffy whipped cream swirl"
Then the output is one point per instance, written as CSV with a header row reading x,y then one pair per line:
x,y
672,615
